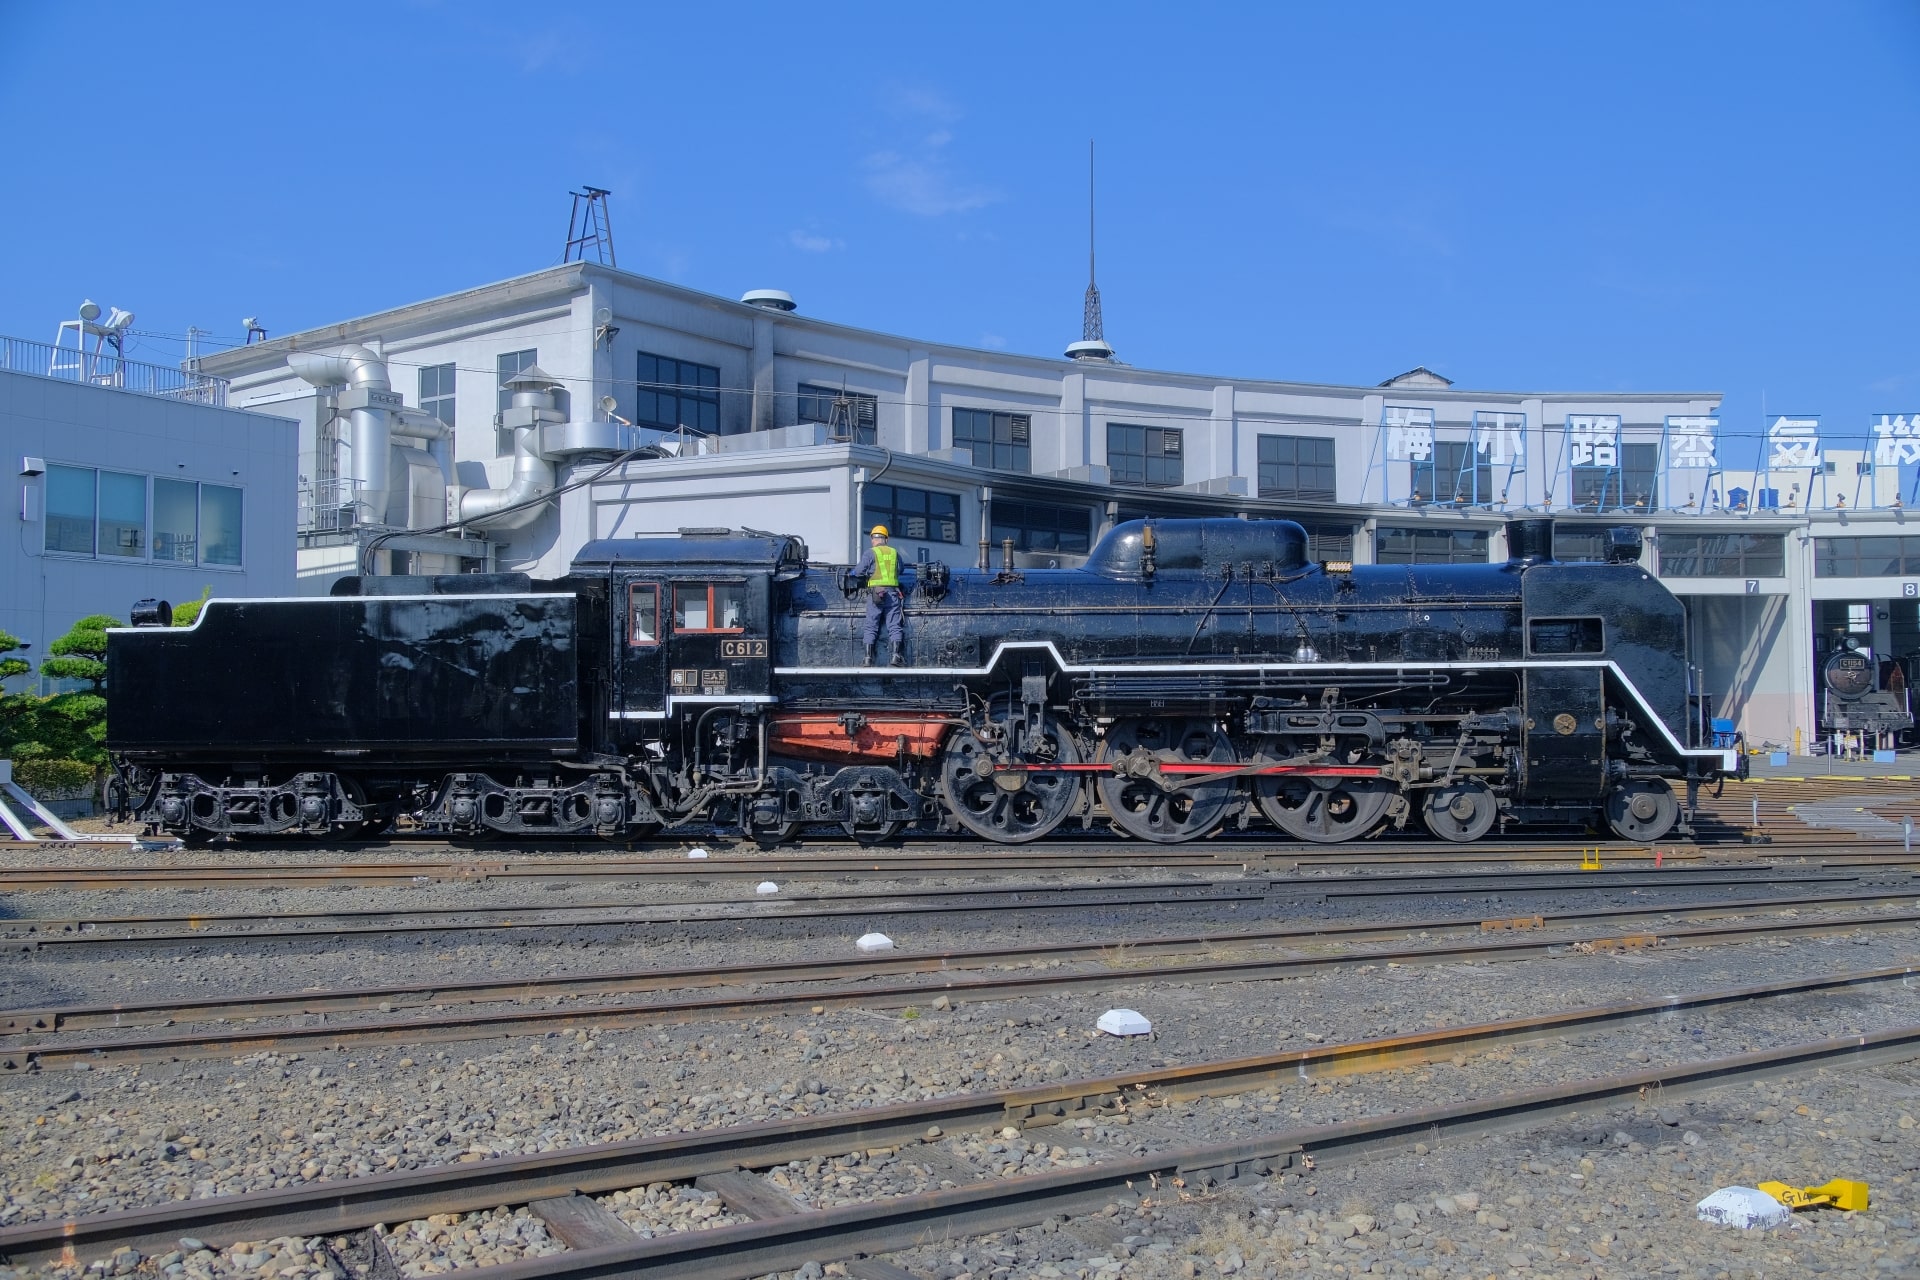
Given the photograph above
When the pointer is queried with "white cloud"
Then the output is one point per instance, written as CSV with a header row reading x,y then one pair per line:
x,y
921,100
807,242
923,184
993,342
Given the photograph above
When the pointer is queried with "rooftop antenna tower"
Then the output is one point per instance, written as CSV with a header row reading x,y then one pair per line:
x,y
1093,338
589,228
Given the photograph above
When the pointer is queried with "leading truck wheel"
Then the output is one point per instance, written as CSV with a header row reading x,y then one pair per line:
x,y
1642,811
1137,802
1461,811
1000,800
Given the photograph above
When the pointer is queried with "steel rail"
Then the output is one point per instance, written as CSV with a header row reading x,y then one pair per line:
x,y
58,1018
349,1204
36,933
53,931
20,1059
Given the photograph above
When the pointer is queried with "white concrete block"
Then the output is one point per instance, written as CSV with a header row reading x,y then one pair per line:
x,y
766,886
1743,1207
1124,1022
872,942
696,852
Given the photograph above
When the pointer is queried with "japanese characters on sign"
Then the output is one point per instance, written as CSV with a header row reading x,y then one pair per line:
x,y
1897,439
1501,438
1793,442
1690,442
1409,432
1593,439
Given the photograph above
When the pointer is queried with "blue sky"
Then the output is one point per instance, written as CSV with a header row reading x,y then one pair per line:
x,y
1710,197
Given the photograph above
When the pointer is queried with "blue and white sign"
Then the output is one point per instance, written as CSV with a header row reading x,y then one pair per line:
x,y
1793,443
1409,432
1501,438
1897,439
1593,439
1690,442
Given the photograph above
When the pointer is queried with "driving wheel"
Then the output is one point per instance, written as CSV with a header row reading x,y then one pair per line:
x,y
1643,810
1009,805
1324,810
1134,796
1460,811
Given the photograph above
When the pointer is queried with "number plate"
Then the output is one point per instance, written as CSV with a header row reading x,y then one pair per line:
x,y
743,648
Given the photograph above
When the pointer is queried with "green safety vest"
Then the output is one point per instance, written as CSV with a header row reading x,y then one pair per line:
x,y
886,568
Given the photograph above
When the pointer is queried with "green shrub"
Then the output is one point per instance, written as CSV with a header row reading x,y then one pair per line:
x,y
53,777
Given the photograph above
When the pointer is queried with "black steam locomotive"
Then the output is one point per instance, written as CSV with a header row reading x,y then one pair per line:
x,y
1858,699
1192,673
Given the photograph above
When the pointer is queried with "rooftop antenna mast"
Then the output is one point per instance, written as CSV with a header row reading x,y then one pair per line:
x,y
1093,338
589,228
1091,327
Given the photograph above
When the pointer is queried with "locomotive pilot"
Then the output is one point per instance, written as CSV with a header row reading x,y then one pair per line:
x,y
879,568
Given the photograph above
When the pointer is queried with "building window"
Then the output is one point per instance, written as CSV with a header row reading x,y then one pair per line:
x,y
1041,526
1866,557
1145,455
436,391
1723,555
858,418
676,393
1299,467
1454,473
136,517
1860,619
1580,546
1329,542
912,513
1430,546
70,507
999,441
1627,487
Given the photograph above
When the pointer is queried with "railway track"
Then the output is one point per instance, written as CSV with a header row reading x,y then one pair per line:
x,y
211,928
852,983
784,1236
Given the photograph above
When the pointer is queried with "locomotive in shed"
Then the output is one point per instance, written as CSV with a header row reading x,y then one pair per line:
x,y
1191,674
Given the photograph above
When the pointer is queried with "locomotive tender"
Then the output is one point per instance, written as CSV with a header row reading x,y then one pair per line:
x,y
1192,673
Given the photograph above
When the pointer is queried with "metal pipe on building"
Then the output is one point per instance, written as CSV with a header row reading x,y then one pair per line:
x,y
362,369
517,505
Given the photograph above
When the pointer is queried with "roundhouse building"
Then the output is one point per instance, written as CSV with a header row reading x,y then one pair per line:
x,y
649,407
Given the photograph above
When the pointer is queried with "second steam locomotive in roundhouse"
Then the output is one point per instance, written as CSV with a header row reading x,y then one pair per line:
x,y
1192,673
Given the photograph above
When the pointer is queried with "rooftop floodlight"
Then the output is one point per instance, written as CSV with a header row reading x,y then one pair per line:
x,y
89,310
251,322
119,319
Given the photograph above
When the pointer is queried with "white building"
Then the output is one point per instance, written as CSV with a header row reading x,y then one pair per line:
x,y
764,417
133,481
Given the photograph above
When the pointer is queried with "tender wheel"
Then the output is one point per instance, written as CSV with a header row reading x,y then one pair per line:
x,y
1012,807
1324,810
1642,810
1139,805
1460,811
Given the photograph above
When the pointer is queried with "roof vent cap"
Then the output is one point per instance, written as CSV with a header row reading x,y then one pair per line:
x,y
771,299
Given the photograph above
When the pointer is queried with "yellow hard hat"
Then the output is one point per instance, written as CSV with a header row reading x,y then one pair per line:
x,y
879,531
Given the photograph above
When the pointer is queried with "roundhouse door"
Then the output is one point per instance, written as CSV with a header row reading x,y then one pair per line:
x,y
638,626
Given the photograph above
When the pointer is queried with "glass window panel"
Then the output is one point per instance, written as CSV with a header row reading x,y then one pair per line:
x,y
643,615
730,605
176,521
70,497
690,607
219,524
123,515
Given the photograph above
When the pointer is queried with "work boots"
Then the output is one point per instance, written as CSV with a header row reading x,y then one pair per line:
x,y
896,658
869,661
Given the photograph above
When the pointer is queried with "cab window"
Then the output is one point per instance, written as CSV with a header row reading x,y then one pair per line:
x,y
643,615
709,606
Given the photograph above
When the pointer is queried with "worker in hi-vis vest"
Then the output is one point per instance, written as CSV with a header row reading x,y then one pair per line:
x,y
879,569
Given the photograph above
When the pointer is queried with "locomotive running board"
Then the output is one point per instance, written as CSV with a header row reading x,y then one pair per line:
x,y
1727,760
